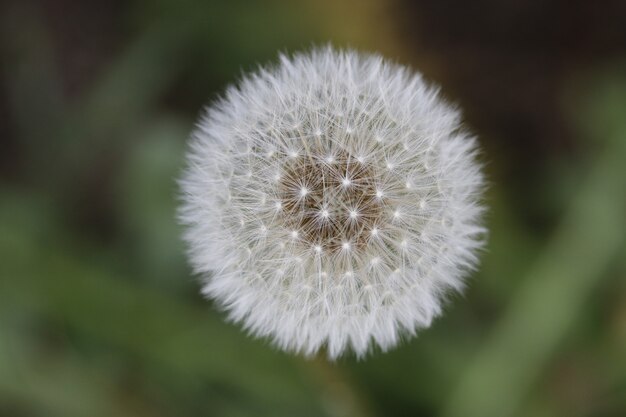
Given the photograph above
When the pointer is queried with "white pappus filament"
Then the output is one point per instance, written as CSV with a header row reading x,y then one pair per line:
x,y
331,201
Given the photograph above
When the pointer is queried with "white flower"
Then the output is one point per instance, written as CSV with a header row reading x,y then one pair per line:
x,y
332,201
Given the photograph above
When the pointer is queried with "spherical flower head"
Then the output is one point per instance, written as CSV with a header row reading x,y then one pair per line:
x,y
332,201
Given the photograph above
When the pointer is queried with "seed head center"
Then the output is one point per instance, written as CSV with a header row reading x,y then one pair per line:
x,y
330,202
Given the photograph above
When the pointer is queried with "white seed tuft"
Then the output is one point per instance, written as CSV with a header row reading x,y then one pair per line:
x,y
363,167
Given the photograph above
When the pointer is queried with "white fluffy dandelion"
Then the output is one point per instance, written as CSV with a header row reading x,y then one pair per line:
x,y
332,201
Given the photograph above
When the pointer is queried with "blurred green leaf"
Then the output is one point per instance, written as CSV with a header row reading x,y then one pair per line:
x,y
557,286
188,340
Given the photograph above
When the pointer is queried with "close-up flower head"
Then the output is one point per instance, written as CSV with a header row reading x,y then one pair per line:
x,y
332,200
312,208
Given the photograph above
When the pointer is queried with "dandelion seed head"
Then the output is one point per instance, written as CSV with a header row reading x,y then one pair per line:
x,y
363,167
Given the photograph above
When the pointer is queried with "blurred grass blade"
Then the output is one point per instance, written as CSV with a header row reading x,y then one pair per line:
x,y
553,294
162,331
56,386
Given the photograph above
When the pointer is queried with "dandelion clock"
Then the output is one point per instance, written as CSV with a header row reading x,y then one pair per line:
x,y
332,201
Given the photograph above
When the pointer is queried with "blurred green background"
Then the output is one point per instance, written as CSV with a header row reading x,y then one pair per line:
x,y
101,316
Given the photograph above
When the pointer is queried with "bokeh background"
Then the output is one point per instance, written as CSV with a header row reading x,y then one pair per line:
x,y
101,316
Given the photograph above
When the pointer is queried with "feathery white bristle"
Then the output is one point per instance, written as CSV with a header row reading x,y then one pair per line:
x,y
332,201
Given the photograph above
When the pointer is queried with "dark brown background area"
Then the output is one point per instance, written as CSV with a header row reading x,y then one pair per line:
x,y
510,65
